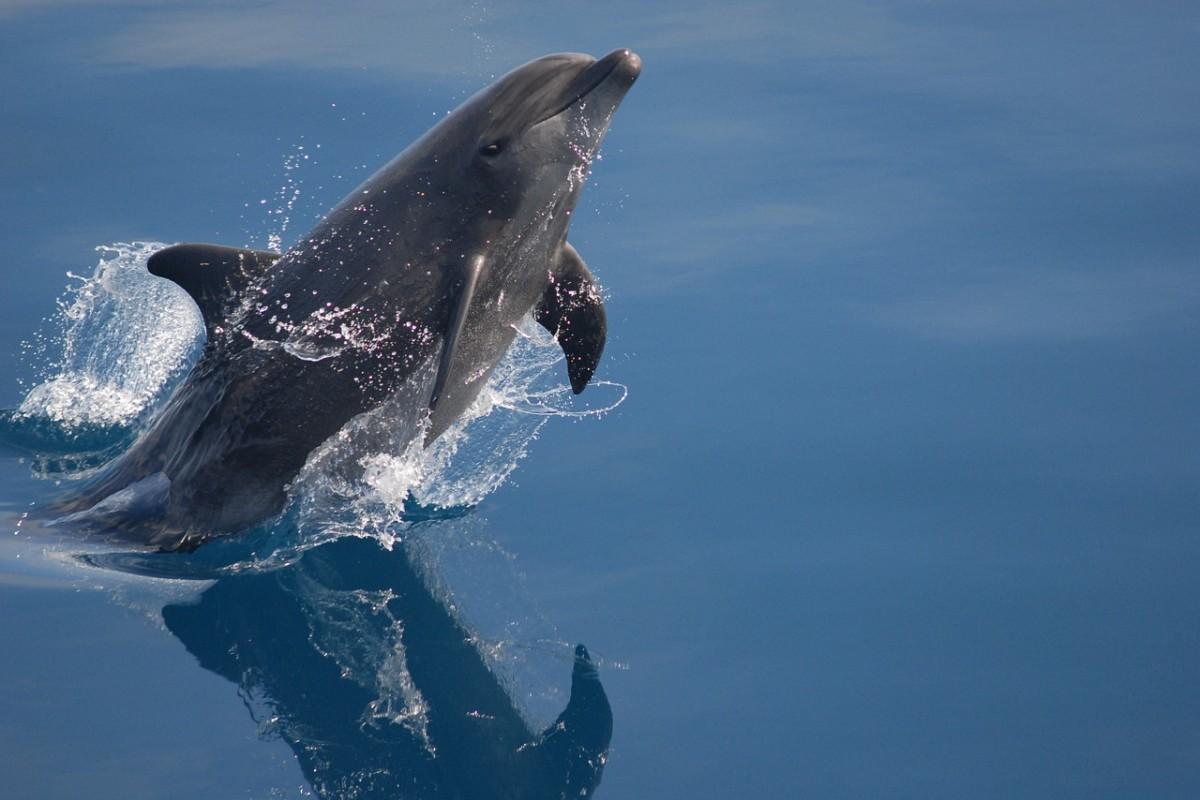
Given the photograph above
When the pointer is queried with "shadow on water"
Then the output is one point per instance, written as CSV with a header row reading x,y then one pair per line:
x,y
378,688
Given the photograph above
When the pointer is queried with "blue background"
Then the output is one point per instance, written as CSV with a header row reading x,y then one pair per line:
x,y
903,500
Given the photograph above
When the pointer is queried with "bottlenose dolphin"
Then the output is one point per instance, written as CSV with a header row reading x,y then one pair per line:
x,y
414,282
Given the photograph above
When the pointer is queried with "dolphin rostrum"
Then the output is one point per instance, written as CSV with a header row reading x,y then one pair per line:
x,y
423,270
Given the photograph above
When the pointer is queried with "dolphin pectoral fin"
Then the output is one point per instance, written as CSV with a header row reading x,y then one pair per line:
x,y
573,311
458,321
575,748
213,275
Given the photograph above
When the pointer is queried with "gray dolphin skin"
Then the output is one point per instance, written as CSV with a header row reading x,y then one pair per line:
x,y
417,278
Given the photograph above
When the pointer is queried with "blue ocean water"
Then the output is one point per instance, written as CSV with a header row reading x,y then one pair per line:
x,y
900,502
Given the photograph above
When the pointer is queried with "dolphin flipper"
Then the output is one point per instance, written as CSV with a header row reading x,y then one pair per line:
x,y
575,748
458,321
573,311
213,275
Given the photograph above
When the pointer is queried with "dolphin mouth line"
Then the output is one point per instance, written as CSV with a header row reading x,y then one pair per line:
x,y
595,81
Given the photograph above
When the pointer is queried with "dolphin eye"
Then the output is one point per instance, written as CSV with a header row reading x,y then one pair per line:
x,y
491,150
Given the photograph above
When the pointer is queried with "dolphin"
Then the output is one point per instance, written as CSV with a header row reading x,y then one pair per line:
x,y
412,286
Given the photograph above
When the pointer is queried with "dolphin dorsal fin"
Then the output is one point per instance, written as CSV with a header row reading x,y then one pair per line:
x,y
573,311
215,276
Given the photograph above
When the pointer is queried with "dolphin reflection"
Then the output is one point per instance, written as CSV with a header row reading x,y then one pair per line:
x,y
378,688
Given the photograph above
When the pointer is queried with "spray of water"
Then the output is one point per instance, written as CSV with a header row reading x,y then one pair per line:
x,y
123,338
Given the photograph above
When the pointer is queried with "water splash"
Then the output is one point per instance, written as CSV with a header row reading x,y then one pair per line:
x,y
271,217
124,337
376,475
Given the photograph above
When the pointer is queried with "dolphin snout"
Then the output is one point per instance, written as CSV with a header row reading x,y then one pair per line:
x,y
612,75
624,61
622,64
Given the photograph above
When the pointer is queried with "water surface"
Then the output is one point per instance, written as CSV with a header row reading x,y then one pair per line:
x,y
902,499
